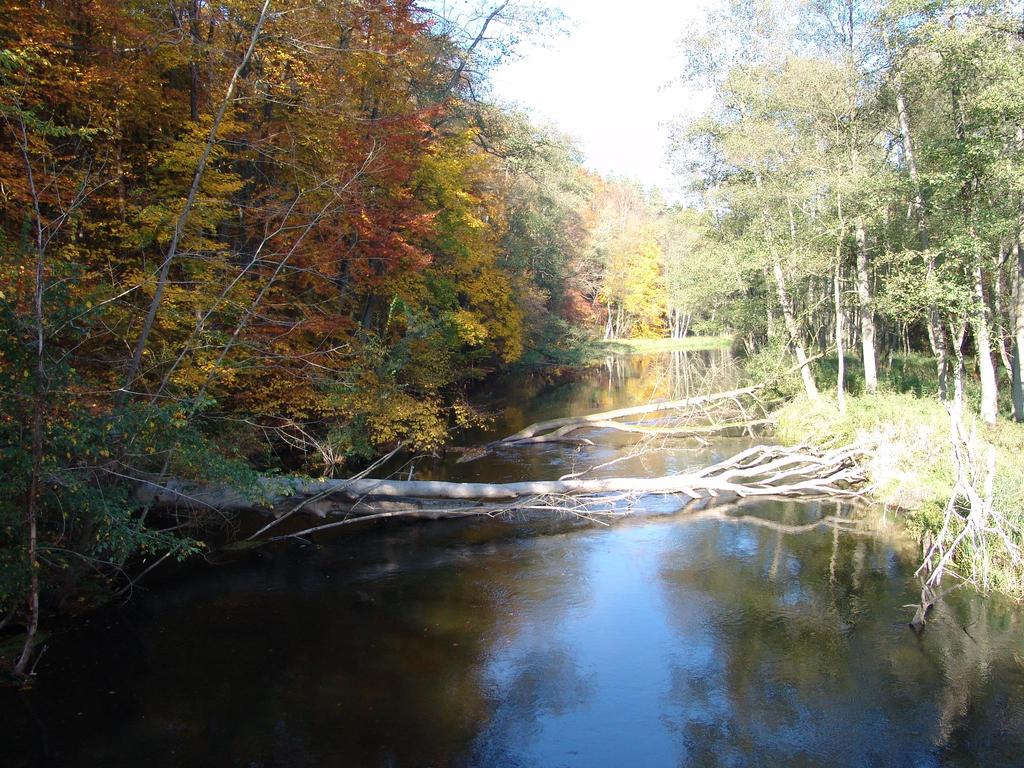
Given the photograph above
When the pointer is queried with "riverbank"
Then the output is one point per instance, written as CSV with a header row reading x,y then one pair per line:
x,y
653,346
912,469
577,348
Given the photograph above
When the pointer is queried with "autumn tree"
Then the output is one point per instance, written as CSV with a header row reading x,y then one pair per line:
x,y
237,237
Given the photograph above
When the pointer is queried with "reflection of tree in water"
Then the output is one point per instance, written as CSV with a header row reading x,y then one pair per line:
x,y
801,648
358,653
621,380
630,379
536,686
971,644
381,649
534,672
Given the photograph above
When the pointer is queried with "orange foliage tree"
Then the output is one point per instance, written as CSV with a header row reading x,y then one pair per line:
x,y
233,237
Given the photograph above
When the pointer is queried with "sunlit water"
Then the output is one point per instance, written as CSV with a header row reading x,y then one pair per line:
x,y
668,639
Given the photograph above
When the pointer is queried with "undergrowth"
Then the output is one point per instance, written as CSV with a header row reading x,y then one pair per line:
x,y
912,469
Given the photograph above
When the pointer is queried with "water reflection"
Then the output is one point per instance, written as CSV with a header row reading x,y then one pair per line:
x,y
670,640
708,643
619,382
660,641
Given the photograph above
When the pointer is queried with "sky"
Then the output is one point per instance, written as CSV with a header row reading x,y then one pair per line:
x,y
611,83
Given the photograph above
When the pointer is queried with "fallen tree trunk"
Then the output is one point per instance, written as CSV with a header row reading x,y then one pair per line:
x,y
757,471
568,424
564,434
561,429
643,429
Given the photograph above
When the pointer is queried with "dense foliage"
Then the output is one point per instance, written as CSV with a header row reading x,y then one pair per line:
x,y
862,172
243,237
240,236
248,236
861,169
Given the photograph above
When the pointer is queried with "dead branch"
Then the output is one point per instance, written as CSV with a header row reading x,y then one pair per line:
x,y
757,471
973,529
556,429
578,422
929,598
645,429
678,424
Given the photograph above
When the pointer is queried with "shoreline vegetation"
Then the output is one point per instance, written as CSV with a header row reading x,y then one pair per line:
x,y
910,437
246,240
650,346
911,470
955,482
581,348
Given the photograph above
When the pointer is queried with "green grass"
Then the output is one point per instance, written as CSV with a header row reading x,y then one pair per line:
x,y
911,469
652,346
562,344
914,373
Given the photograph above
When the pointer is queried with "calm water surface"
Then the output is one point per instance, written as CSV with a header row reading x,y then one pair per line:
x,y
668,639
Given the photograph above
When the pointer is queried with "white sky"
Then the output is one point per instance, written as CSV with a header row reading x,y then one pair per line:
x,y
612,83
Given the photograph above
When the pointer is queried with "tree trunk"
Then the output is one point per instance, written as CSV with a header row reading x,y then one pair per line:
x,y
957,331
193,65
940,348
999,311
903,117
936,331
981,314
794,329
757,471
983,340
40,387
635,410
837,296
1017,375
1018,332
867,315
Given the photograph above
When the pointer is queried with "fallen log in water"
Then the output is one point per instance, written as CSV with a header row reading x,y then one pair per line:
x,y
560,427
757,471
678,424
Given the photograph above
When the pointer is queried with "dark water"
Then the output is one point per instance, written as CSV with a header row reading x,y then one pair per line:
x,y
668,639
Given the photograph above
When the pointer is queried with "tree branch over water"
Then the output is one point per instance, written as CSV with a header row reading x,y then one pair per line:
x,y
761,470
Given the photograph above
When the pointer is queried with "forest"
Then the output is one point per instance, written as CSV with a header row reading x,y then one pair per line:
x,y
252,238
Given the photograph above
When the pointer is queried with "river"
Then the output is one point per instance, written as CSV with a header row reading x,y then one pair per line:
x,y
662,639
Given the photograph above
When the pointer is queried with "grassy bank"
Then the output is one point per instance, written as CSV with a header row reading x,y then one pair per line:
x,y
653,346
575,346
913,470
